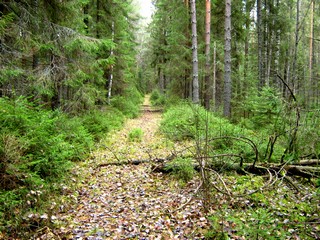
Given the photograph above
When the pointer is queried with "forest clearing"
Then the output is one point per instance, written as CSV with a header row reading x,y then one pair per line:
x,y
198,121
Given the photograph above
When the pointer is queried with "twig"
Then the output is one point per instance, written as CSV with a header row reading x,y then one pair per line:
x,y
115,155
189,200
224,184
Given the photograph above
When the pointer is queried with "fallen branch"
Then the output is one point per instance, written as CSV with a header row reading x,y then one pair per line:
x,y
308,162
131,162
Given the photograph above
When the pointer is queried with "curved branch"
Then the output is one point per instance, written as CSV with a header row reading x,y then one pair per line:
x,y
245,140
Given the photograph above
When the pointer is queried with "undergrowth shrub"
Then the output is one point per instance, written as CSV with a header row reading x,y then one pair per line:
x,y
186,121
37,150
129,102
182,168
157,98
293,130
135,135
128,108
189,121
264,109
98,123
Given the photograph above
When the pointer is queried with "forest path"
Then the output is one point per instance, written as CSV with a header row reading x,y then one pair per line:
x,y
130,201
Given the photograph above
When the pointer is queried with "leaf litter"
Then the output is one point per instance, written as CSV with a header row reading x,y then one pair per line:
x,y
130,201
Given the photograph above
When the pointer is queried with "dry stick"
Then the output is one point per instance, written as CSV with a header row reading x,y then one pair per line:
x,y
189,200
115,155
224,184
267,185
245,140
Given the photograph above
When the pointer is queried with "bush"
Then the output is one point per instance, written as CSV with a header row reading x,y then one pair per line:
x,y
157,99
186,121
127,107
189,121
265,109
128,103
133,95
182,169
37,148
135,135
99,123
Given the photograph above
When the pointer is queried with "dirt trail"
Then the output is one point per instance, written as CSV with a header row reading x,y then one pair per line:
x,y
129,201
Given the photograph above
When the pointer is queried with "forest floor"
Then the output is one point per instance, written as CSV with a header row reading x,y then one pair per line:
x,y
116,194
128,201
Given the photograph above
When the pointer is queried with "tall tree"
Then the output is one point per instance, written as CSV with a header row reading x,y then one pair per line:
x,y
227,61
195,66
260,44
111,67
311,51
207,54
296,44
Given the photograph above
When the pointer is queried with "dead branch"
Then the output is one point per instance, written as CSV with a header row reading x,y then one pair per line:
x,y
308,162
245,140
189,200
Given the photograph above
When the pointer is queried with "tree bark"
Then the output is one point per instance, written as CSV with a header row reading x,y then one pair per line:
x,y
214,86
98,19
207,54
260,45
246,47
311,52
277,46
111,68
195,67
227,62
296,44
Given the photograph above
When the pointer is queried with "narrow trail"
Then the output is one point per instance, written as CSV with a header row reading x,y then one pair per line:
x,y
130,201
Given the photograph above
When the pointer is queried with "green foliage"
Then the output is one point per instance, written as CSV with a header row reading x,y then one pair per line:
x,y
99,123
189,121
157,99
273,214
309,134
8,74
135,135
127,107
265,108
180,122
182,168
129,103
37,148
133,95
185,121
5,20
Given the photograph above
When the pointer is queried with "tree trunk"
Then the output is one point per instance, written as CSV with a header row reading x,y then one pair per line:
x,y
111,68
246,49
195,67
295,50
311,52
260,45
207,53
277,46
98,19
227,62
161,79
214,86
188,44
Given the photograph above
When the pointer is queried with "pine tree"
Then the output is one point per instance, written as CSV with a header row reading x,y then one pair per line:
x,y
195,70
207,53
227,61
